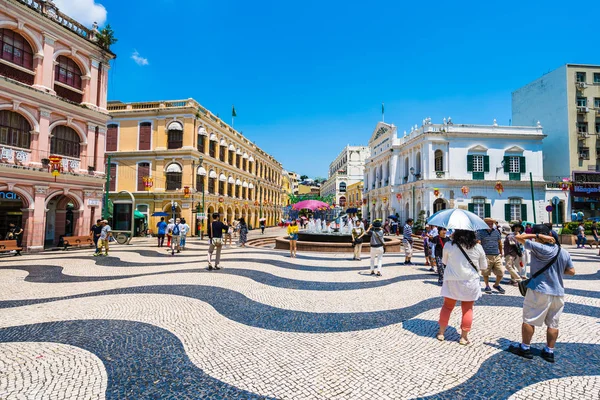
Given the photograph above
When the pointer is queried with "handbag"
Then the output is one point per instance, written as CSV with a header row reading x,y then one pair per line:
x,y
467,257
523,284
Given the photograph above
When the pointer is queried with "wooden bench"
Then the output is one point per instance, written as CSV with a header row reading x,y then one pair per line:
x,y
10,245
77,241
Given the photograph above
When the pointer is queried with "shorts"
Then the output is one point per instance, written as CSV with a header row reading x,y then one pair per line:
x,y
494,266
408,249
294,236
541,308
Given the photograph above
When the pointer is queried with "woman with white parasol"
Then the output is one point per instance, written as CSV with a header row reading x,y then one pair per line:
x,y
464,258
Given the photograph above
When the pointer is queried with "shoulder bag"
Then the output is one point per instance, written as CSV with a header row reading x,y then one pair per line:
x,y
378,240
523,284
467,257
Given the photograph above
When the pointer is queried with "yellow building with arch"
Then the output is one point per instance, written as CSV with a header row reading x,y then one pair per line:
x,y
178,151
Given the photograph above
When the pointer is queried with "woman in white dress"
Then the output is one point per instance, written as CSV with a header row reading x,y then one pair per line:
x,y
461,280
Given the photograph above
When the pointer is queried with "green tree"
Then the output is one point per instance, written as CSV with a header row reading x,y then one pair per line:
x,y
303,177
106,37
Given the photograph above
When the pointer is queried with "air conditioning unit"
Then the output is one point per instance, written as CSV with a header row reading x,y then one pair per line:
x,y
582,85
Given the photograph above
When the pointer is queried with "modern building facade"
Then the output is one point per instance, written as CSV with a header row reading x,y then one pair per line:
x,y
169,152
567,102
53,90
484,169
347,169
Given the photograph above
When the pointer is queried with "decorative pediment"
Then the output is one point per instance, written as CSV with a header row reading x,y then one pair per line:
x,y
514,149
478,149
382,129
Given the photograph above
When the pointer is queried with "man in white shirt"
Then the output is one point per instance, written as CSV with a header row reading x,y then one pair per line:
x,y
184,229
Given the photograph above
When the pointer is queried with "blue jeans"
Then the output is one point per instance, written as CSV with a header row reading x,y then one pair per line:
x,y
182,241
581,240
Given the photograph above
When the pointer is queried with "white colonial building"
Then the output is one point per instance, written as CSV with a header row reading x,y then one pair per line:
x,y
485,169
347,168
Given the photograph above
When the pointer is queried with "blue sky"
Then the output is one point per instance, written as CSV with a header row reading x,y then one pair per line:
x,y
309,77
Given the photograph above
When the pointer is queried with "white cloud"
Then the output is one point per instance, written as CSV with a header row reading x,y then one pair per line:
x,y
84,11
139,60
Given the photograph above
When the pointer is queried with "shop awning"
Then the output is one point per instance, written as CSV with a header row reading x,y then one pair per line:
x,y
138,215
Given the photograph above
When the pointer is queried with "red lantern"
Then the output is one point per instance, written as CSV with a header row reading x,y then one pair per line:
x,y
436,192
364,201
565,186
186,191
148,182
55,165
256,203
499,188
399,196
465,190
221,200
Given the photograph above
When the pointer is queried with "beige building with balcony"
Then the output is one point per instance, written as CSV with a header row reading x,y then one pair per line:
x,y
53,89
567,102
168,152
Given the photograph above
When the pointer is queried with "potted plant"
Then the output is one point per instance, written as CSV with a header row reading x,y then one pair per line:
x,y
45,162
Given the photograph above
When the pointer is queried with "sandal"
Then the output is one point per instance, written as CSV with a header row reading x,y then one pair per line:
x,y
440,338
464,341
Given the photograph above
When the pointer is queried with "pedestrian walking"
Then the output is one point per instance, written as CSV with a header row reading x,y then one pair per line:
x,y
170,227
262,226
544,300
407,241
95,232
581,239
227,234
491,242
377,246
105,235
463,258
243,229
292,231
357,239
15,233
426,248
161,229
215,234
175,236
185,229
513,254
440,242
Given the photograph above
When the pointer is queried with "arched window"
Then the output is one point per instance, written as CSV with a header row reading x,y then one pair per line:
x,y
65,142
201,138
439,161
67,79
212,180
112,138
342,187
174,175
222,181
175,136
200,174
406,170
16,49
418,166
14,129
67,72
142,172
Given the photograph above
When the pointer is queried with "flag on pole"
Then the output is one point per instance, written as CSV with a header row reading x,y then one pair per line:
x,y
383,112
233,114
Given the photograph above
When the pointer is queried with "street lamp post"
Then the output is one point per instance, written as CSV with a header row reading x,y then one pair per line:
x,y
412,172
202,209
258,182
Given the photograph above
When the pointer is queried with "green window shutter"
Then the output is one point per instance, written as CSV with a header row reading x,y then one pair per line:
x,y
507,164
486,163
523,166
471,207
478,176
507,212
524,212
488,210
470,163
513,176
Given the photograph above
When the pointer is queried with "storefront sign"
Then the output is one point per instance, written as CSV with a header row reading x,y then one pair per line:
x,y
9,196
93,202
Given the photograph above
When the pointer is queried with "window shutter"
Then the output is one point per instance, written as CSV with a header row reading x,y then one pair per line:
x,y
524,212
507,164
507,212
470,163
111,138
145,136
143,170
486,163
488,210
471,207
522,161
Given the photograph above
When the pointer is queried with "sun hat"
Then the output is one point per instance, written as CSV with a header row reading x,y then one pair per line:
x,y
377,223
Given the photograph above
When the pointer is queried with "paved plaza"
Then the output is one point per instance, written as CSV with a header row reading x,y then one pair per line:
x,y
142,324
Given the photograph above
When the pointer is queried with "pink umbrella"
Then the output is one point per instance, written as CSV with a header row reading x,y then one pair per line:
x,y
310,205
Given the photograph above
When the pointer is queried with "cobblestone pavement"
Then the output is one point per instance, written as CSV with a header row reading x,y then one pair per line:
x,y
144,324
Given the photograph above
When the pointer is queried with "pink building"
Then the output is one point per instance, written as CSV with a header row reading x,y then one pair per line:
x,y
53,90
